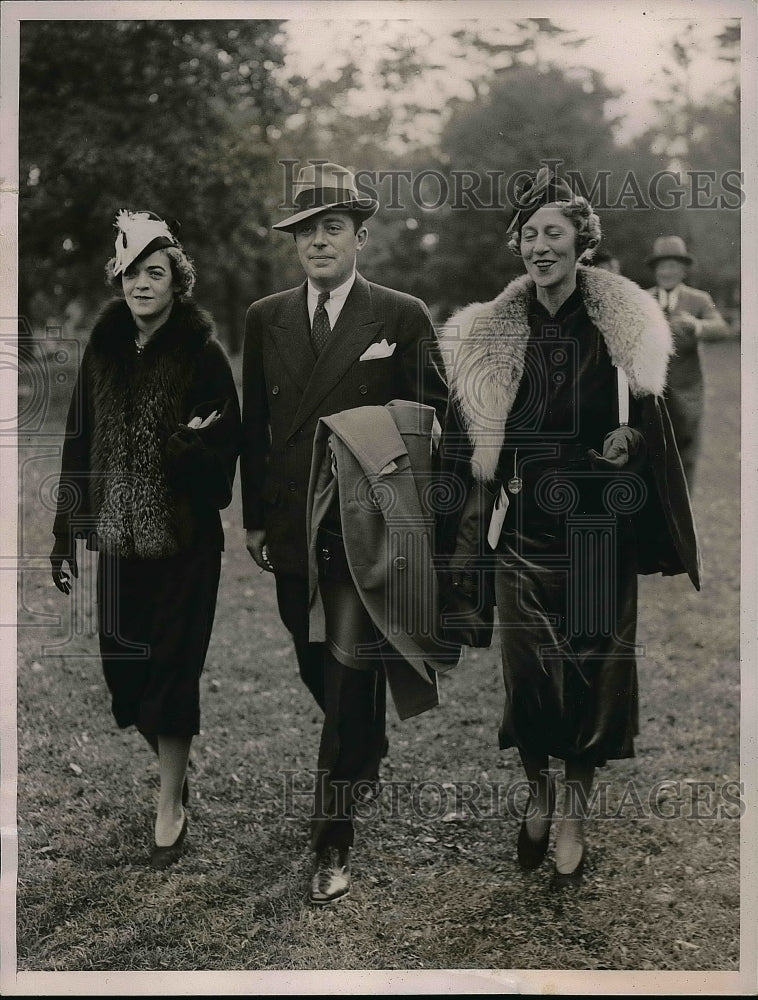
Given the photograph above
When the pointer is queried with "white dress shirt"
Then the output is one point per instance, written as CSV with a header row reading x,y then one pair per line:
x,y
669,299
333,304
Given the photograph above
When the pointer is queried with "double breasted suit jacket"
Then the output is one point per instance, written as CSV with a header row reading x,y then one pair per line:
x,y
287,389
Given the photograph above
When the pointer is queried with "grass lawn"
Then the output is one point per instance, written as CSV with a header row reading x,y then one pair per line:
x,y
436,884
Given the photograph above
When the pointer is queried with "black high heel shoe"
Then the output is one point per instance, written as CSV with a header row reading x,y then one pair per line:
x,y
162,857
572,879
531,853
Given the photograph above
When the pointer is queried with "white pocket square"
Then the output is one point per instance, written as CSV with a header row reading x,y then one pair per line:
x,y
380,350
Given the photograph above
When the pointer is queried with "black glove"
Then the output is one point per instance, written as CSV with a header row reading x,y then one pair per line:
x,y
195,456
467,600
619,448
64,551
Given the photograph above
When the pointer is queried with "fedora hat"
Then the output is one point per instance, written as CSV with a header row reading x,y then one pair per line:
x,y
669,248
320,186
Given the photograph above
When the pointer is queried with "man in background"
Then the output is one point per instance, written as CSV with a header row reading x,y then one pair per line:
x,y
692,315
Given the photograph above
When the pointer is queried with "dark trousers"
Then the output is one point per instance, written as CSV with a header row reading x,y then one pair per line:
x,y
354,704
352,743
292,598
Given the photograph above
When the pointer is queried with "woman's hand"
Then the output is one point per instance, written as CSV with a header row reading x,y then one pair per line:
x,y
197,423
60,555
620,445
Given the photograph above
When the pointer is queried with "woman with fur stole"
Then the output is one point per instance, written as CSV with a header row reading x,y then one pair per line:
x,y
149,457
588,496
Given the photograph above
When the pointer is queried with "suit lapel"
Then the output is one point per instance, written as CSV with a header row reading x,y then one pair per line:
x,y
293,338
354,330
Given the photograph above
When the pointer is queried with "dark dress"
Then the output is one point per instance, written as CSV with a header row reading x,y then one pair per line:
x,y
145,490
154,622
566,578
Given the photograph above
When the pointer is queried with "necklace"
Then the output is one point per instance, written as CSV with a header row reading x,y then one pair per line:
x,y
140,347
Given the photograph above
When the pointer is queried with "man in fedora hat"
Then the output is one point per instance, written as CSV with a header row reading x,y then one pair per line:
x,y
692,314
335,342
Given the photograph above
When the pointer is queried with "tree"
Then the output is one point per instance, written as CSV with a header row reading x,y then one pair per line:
x,y
529,114
174,116
418,123
699,140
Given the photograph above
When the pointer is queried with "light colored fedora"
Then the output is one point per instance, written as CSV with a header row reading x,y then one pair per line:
x,y
669,248
320,186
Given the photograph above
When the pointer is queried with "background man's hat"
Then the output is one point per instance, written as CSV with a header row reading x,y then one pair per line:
x,y
326,185
669,248
139,235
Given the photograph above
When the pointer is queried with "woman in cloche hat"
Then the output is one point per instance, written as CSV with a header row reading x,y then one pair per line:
x,y
540,377
149,457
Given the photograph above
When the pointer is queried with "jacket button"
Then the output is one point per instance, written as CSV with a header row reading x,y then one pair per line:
x,y
275,390
399,562
292,486
326,554
291,443
363,390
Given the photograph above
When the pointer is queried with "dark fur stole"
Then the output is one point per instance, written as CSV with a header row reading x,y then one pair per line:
x,y
137,402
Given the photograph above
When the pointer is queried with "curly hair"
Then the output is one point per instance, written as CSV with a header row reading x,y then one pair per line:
x,y
182,271
584,220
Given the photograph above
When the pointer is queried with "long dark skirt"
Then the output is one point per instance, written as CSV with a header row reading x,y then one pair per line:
x,y
568,618
155,618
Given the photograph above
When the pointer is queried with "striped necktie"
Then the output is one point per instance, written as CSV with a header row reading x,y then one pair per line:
x,y
321,329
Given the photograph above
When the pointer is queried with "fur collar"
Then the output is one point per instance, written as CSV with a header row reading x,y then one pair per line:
x,y
188,326
484,345
137,403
